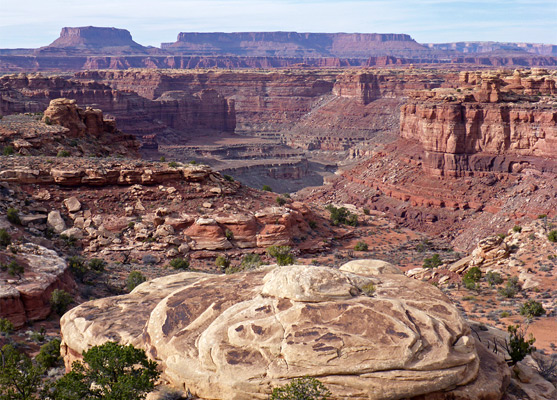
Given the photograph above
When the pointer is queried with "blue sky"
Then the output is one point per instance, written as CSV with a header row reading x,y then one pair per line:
x,y
34,23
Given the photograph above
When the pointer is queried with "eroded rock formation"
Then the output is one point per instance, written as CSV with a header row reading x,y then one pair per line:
x,y
366,332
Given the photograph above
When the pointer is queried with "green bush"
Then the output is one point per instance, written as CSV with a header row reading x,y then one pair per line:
x,y
249,261
78,267
49,355
433,262
511,288
366,211
517,228
5,238
6,326
340,216
162,159
228,178
532,309
305,388
493,278
135,278
179,263
96,264
542,216
20,379
8,150
59,301
13,216
552,236
229,234
518,347
267,188
47,121
368,289
111,372
312,224
173,164
63,153
474,274
222,262
282,254
280,201
15,269
361,246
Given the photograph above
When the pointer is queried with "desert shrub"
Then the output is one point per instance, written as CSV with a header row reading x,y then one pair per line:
x,y
69,241
305,388
109,371
517,228
366,211
59,301
493,278
96,264
361,246
532,309
280,201
15,269
511,288
552,236
135,278
173,164
162,159
47,121
49,355
20,378
542,216
228,178
368,289
249,261
312,224
505,314
193,162
6,326
229,234
179,263
340,216
546,366
222,262
474,274
282,254
433,262
5,238
63,153
518,347
13,216
38,337
267,188
8,150
78,267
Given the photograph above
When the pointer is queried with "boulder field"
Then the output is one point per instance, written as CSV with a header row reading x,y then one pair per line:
x,y
365,330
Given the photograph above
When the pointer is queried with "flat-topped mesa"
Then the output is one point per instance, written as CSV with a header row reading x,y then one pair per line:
x,y
295,44
491,123
92,38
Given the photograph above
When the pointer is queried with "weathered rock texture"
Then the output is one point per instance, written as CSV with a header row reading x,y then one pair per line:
x,y
237,336
26,298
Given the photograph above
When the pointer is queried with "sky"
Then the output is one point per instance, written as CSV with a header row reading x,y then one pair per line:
x,y
35,23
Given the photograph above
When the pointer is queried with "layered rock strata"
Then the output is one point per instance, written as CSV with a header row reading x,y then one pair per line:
x,y
237,336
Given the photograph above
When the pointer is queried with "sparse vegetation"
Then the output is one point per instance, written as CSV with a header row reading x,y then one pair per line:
x,y
173,164
249,261
511,288
368,289
49,355
6,326
8,150
63,153
518,347
340,216
222,262
229,234
305,388
433,262
179,263
96,264
135,278
532,309
13,216
267,188
78,267
282,254
5,238
493,278
517,228
228,178
59,301
13,268
471,277
280,201
552,236
361,246
20,378
312,224
110,371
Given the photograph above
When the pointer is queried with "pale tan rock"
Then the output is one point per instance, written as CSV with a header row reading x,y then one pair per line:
x,y
56,222
237,336
370,267
75,233
72,204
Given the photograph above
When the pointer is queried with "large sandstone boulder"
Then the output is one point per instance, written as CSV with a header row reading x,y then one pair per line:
x,y
237,336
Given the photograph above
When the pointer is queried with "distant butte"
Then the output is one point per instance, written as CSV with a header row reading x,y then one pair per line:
x,y
84,48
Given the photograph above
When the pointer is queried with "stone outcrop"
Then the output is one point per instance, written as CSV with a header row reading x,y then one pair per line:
x,y
237,336
26,297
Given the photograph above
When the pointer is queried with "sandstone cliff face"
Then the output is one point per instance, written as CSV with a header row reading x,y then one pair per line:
x,y
251,331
